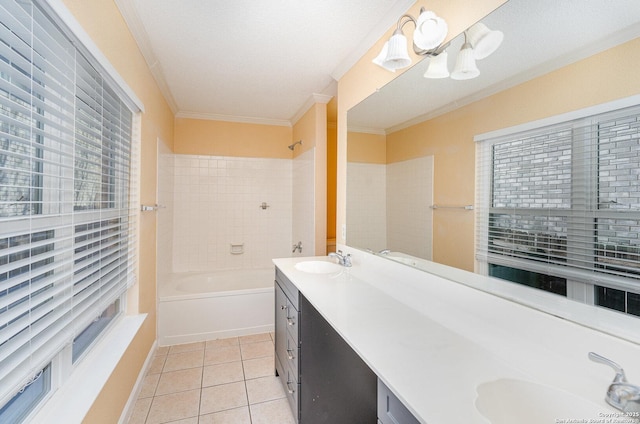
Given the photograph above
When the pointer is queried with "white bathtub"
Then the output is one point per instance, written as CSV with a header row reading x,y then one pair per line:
x,y
204,306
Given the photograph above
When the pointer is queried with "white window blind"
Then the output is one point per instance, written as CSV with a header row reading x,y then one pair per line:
x,y
67,192
564,200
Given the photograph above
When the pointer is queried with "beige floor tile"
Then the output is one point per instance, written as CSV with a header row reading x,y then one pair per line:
x,y
264,389
220,355
157,363
192,420
173,407
140,411
187,347
179,381
162,351
253,338
230,416
259,367
223,397
228,372
181,361
149,384
257,350
231,341
275,411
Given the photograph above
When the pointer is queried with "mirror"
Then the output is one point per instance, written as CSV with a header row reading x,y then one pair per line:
x,y
411,144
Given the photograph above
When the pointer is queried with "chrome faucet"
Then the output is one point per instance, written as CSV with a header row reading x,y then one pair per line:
x,y
297,247
344,260
621,394
385,251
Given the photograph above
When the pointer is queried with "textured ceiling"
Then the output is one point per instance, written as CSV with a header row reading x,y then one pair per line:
x,y
253,60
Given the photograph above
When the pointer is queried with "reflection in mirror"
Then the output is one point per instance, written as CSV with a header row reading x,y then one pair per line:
x,y
411,144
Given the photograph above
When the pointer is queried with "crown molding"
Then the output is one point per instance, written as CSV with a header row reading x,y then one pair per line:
x,y
312,100
133,21
366,130
389,20
232,118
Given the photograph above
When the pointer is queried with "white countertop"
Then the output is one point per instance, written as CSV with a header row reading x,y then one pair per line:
x,y
433,341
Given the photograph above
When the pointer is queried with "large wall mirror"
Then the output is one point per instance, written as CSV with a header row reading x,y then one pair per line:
x,y
411,144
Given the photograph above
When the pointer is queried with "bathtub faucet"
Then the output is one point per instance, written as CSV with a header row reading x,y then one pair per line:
x,y
297,247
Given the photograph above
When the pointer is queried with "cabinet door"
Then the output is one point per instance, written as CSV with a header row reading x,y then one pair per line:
x,y
390,409
336,386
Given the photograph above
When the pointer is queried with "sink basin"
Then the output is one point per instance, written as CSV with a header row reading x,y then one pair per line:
x,y
508,401
318,267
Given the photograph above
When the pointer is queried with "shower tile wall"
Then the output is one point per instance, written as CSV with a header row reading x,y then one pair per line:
x,y
366,205
217,204
389,206
303,202
409,215
165,212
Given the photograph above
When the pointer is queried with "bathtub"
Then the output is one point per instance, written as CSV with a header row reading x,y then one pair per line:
x,y
203,306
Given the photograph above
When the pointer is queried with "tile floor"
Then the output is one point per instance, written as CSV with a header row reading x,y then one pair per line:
x,y
214,382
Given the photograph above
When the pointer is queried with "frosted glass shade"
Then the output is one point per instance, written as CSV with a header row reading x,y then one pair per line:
x,y
465,67
430,32
438,67
379,60
484,40
397,54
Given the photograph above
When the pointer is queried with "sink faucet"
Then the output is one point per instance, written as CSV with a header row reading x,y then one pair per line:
x,y
344,260
621,394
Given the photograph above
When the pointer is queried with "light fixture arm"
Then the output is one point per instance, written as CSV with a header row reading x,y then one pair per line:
x,y
430,32
401,24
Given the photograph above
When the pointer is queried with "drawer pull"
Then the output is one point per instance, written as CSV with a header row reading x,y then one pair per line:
x,y
283,307
290,354
289,389
291,321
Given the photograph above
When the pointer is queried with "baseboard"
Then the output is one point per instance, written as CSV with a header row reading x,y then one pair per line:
x,y
200,337
133,397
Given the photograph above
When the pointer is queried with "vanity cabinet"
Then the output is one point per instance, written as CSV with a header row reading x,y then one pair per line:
x,y
287,317
326,382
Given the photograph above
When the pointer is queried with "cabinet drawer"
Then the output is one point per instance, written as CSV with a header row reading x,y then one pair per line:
x,y
288,287
292,317
292,391
390,409
291,356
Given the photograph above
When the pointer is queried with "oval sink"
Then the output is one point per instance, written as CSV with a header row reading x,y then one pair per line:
x,y
318,267
508,401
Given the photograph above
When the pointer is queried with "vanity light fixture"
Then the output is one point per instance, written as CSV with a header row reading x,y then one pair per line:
x,y
438,67
465,67
479,42
484,40
430,32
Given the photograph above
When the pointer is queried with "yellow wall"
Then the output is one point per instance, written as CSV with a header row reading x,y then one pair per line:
x,y
449,138
367,148
104,24
364,77
221,138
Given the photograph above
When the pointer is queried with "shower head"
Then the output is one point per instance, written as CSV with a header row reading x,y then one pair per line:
x,y
294,144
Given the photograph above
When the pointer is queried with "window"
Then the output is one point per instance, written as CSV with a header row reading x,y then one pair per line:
x,y
560,205
66,203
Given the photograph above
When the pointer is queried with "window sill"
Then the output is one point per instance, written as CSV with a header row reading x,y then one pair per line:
x,y
71,402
